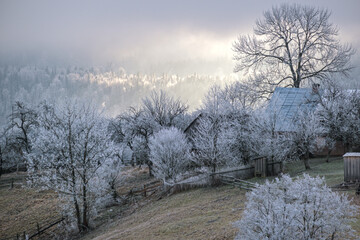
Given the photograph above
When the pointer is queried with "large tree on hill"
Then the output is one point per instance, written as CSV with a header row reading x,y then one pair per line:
x,y
291,44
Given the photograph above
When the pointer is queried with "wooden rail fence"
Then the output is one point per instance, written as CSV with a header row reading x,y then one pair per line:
x,y
36,232
236,182
147,190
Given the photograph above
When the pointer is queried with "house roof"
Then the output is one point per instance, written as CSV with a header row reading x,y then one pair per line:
x,y
286,103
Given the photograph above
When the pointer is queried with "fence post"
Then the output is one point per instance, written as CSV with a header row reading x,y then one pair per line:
x,y
38,227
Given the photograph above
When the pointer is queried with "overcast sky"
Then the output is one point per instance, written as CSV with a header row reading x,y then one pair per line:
x,y
146,36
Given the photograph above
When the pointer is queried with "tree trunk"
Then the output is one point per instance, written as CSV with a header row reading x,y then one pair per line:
x,y
1,162
328,155
77,213
150,168
348,147
296,83
132,160
85,223
306,161
114,192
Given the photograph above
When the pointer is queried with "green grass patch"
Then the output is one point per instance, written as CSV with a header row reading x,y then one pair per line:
x,y
333,171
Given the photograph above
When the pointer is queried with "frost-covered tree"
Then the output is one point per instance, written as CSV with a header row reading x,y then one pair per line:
x,y
222,135
339,115
206,143
237,139
12,151
22,119
266,139
350,128
1,153
304,208
163,109
292,44
70,156
304,141
330,114
170,154
238,96
110,175
137,127
16,134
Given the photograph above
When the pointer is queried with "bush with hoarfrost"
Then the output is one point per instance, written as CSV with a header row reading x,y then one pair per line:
x,y
169,153
304,208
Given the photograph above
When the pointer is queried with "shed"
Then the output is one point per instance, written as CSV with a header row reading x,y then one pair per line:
x,y
352,167
264,168
260,166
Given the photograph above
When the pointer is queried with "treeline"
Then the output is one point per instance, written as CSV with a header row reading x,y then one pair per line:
x,y
109,87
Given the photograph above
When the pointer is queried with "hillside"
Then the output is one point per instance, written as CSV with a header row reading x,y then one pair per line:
x,y
206,213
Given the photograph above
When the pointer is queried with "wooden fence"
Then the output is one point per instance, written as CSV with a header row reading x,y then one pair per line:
x,y
9,183
37,231
147,189
236,182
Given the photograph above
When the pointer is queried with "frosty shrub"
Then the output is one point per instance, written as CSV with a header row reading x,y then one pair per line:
x,y
169,153
304,208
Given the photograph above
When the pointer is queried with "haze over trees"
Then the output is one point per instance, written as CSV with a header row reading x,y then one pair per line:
x,y
110,87
291,44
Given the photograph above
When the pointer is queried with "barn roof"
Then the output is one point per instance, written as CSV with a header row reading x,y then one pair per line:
x,y
286,103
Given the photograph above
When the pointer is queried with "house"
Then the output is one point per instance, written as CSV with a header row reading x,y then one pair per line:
x,y
287,103
190,130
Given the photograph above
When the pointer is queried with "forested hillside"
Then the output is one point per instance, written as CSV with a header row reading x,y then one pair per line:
x,y
115,90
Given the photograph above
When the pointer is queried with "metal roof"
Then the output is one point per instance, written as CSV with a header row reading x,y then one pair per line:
x,y
286,103
352,154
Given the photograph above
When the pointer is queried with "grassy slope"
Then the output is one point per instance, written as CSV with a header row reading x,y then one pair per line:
x,y
21,209
205,213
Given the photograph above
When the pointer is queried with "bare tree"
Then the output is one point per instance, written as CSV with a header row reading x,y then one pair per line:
x,y
22,119
163,108
291,44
